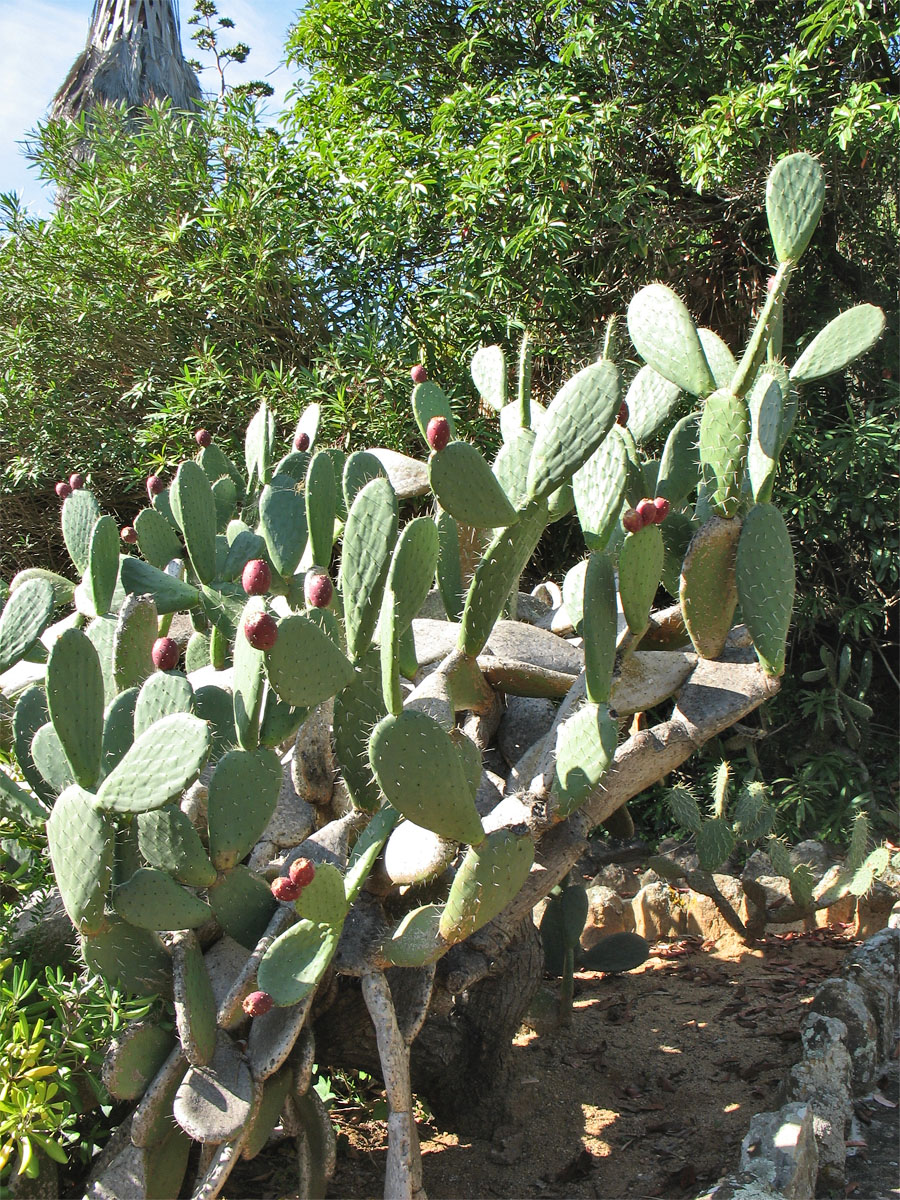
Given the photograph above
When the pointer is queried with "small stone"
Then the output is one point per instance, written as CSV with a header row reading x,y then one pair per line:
x,y
607,913
526,720
873,910
616,877
658,912
780,1150
844,999
705,919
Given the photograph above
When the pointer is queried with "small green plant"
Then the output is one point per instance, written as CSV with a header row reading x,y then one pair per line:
x,y
840,704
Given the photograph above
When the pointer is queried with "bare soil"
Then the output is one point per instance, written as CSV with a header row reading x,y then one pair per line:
x,y
646,1093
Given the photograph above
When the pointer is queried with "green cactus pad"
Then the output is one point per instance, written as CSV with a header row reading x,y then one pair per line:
x,y
573,594
599,488
75,696
428,400
412,568
679,467
103,565
599,628
225,496
421,773
195,1004
721,360
170,594
585,746
118,728
136,631
321,507
766,404
164,693
724,435
561,926
151,899
195,511
580,416
795,194
357,709
753,816
162,504
259,442
101,633
489,877
449,573
81,849
366,849
640,568
50,759
243,905
416,941
488,370
63,589
243,545
616,953
708,593
765,578
497,573
282,523
304,666
292,966
842,340
279,721
162,762
684,808
265,1119
248,681
131,958
511,465
360,468
677,532
243,793
133,1059
715,841
650,399
369,538
79,513
223,607
169,841
665,336
323,901
214,705
29,715
196,654
466,487
25,616
216,465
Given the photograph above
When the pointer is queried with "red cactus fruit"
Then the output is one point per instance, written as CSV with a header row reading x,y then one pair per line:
x,y
646,510
155,485
257,1004
318,589
261,631
301,441
76,481
437,433
302,872
632,521
418,373
622,418
203,438
285,889
662,507
63,490
165,654
128,535
256,578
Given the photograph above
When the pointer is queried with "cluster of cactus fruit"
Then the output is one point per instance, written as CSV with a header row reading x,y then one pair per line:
x,y
155,784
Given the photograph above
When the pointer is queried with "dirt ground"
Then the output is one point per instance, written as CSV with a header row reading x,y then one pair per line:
x,y
647,1093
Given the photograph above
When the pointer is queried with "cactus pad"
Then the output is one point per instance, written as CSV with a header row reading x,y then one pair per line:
x,y
640,568
75,695
795,194
599,627
103,565
195,1004
158,767
81,848
169,841
357,709
79,512
134,959
304,666
50,760
599,488
416,941
724,434
466,487
720,359
321,507
765,583
679,467
135,633
292,966
428,400
585,745
490,876
243,793
488,369
666,338
25,615
708,592
214,1103
133,1059
650,400
151,899
842,340
243,905
369,538
171,594
164,693
420,771
766,404
360,468
195,511
282,523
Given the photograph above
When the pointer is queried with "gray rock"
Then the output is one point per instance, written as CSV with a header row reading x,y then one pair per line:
x,y
741,1186
525,643
407,476
490,792
894,918
873,910
607,913
526,721
780,1150
704,918
658,912
43,933
434,639
616,877
757,865
822,1080
772,893
874,968
816,856
413,854
844,999
292,820
681,852
313,765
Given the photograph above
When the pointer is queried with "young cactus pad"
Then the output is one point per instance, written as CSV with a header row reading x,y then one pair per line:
x,y
765,583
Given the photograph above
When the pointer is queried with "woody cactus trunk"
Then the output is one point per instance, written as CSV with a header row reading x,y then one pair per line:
x,y
295,836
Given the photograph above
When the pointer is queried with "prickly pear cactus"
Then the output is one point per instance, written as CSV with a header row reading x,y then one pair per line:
x,y
294,796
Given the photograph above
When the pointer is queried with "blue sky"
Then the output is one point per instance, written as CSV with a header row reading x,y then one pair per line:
x,y
39,40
